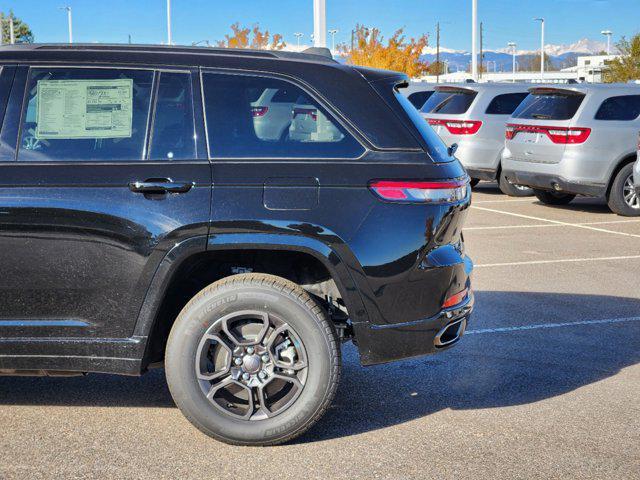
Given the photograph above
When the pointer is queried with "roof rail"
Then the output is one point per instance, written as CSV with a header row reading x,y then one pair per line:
x,y
321,51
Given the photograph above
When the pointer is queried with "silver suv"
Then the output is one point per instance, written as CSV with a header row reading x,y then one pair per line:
x,y
576,140
474,116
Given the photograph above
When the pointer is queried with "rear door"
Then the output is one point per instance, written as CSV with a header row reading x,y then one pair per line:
x,y
537,115
101,174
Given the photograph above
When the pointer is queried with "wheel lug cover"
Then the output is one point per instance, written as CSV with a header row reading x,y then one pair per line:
x,y
265,358
250,350
262,375
245,376
238,361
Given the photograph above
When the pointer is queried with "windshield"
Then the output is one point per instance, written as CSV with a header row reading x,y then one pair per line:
x,y
549,106
449,101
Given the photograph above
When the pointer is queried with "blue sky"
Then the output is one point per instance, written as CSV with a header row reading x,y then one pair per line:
x,y
193,20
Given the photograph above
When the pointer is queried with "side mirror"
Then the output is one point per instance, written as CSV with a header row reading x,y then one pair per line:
x,y
452,149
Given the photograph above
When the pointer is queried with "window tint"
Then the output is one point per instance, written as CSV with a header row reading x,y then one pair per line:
x,y
237,127
549,105
624,107
417,99
85,114
286,95
450,101
173,134
505,104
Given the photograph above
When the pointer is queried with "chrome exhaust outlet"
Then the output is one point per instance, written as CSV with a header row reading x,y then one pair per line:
x,y
451,333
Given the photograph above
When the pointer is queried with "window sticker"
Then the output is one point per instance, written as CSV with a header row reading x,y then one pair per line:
x,y
84,108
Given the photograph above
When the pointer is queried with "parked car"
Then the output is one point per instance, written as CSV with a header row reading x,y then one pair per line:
x,y
576,140
418,93
271,112
148,219
636,171
474,117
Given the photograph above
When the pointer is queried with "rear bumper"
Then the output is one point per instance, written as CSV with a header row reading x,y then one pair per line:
x,y
482,173
425,336
544,181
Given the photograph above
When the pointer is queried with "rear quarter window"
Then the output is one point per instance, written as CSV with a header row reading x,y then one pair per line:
x,y
454,102
549,106
506,104
418,99
623,107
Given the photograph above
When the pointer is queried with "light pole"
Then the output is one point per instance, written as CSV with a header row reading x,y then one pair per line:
x,y
333,39
541,20
168,22
608,34
474,39
513,58
298,36
68,9
319,23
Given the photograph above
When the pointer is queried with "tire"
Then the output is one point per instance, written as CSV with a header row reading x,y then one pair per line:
x,y
296,333
553,198
513,190
474,182
622,197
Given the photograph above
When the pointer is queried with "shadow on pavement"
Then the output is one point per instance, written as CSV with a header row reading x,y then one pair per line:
x,y
487,370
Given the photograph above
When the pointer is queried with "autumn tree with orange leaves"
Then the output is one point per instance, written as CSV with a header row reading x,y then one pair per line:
x,y
369,50
245,37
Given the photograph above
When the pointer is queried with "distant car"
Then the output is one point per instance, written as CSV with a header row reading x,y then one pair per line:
x,y
636,170
271,112
576,140
418,93
474,116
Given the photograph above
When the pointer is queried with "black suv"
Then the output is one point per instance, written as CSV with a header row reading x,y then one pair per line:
x,y
156,210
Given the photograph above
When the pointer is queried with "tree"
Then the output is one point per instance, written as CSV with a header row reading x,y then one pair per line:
x,y
245,37
369,50
21,31
531,63
627,66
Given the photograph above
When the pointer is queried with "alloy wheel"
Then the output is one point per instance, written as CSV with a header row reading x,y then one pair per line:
x,y
251,365
629,193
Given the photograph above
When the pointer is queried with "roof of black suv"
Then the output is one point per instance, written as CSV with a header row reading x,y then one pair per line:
x,y
348,89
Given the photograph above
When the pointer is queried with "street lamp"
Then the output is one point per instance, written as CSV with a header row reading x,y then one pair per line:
x,y
474,39
168,22
541,20
68,9
333,39
298,35
513,55
608,33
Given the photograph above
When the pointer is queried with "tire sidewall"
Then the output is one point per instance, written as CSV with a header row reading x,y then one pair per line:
x,y
200,315
616,195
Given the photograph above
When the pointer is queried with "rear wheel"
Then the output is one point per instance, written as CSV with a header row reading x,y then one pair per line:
x,y
623,198
553,198
253,360
513,190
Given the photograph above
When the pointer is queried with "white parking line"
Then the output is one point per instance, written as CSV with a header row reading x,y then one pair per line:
x,y
560,260
558,222
545,225
503,201
552,325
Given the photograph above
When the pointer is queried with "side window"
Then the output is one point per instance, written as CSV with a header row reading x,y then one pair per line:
x,y
506,104
85,114
173,135
238,125
624,107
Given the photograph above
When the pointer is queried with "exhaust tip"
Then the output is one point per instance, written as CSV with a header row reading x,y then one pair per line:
x,y
451,333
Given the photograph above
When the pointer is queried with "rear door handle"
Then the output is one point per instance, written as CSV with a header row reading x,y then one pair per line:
x,y
160,185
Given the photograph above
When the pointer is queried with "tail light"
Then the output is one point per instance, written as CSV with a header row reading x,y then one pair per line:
x,y
259,111
458,127
454,300
562,135
449,191
306,111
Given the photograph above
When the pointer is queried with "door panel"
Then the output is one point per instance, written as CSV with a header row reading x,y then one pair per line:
x,y
79,248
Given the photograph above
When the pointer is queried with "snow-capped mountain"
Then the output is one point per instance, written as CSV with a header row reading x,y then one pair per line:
x,y
584,46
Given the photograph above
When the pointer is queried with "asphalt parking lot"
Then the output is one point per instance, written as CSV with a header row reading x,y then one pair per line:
x,y
546,384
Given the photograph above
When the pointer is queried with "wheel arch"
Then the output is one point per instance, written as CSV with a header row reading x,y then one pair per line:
x,y
187,261
619,165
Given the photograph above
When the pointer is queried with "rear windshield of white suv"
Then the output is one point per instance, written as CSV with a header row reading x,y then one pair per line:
x,y
450,101
549,105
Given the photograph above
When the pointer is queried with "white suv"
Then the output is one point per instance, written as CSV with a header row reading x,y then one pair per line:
x,y
576,140
474,116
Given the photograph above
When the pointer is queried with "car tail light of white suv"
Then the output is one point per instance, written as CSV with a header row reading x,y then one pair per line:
x,y
458,127
561,135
